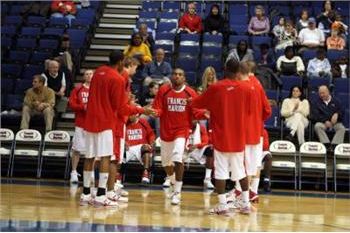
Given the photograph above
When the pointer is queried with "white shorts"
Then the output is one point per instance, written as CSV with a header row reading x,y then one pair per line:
x,y
198,155
134,153
78,143
225,163
171,152
253,158
99,144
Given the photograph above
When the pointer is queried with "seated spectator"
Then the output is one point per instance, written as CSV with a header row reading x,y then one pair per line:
x,y
214,23
148,97
82,4
65,53
38,100
311,37
139,144
62,9
137,47
327,113
279,28
295,109
339,25
319,67
335,41
56,80
241,53
303,22
326,18
289,63
158,69
288,37
259,24
147,37
267,57
340,68
208,78
190,22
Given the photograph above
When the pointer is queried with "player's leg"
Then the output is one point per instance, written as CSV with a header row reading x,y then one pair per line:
x,y
75,161
209,164
78,148
86,197
256,152
146,155
267,171
177,159
166,149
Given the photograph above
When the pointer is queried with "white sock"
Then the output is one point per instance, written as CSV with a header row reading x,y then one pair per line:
x,y
87,178
238,186
245,196
222,199
74,171
172,178
254,185
102,182
208,173
178,186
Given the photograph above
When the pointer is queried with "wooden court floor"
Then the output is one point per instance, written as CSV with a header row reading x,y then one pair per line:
x,y
56,208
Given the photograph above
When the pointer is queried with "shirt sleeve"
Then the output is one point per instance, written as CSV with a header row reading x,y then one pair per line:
x,y
204,138
300,64
204,100
327,68
182,23
74,102
28,99
267,111
158,103
267,24
63,82
200,27
51,97
250,25
151,137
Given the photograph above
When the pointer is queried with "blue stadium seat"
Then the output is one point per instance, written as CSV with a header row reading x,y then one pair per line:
x,y
210,61
8,30
26,43
30,70
15,10
169,16
151,5
189,37
191,78
238,20
314,83
36,21
165,41
88,14
58,22
344,99
273,122
30,32
189,44
284,94
77,36
188,63
10,70
13,20
341,85
38,57
258,40
346,118
333,55
289,81
7,86
308,55
6,42
192,50
81,23
238,9
22,85
211,40
272,94
166,27
21,57
53,32
171,5
239,29
14,102
48,44
234,39
215,51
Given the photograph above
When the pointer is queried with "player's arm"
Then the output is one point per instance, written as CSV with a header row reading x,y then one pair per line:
x,y
74,102
157,104
267,111
204,100
204,137
151,137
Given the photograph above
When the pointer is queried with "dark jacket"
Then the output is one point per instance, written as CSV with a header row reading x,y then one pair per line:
x,y
320,112
214,23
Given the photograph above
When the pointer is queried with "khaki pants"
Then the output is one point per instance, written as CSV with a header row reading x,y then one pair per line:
x,y
297,123
338,138
28,112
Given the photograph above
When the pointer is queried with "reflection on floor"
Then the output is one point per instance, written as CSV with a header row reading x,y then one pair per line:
x,y
56,208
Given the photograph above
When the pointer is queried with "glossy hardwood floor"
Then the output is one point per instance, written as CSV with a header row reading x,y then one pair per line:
x,y
44,207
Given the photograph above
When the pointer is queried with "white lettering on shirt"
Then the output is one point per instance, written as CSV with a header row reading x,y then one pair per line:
x,y
134,134
176,104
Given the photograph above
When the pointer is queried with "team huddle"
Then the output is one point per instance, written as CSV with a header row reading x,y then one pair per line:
x,y
108,125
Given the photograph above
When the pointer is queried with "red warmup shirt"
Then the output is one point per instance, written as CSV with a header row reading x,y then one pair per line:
x,y
266,142
259,109
139,133
226,100
60,6
77,102
194,23
107,99
204,137
174,112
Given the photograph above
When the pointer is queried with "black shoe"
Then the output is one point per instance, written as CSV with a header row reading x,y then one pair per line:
x,y
267,185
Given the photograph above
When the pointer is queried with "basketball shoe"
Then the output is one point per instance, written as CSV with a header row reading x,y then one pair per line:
x,y
208,184
103,201
244,208
86,199
74,177
175,198
253,197
145,177
113,196
220,209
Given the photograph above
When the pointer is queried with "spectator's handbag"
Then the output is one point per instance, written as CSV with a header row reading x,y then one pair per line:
x,y
289,68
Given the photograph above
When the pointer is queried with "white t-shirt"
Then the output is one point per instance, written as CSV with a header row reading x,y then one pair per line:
x,y
315,36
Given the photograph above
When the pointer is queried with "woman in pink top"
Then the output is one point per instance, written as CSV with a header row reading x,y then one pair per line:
x,y
259,24
335,41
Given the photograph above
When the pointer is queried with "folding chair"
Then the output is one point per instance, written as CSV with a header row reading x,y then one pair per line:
x,y
341,166
284,160
6,150
55,152
27,150
313,159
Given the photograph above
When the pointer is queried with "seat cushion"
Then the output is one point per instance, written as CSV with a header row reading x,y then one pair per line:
x,y
26,152
286,164
313,165
54,153
343,167
4,151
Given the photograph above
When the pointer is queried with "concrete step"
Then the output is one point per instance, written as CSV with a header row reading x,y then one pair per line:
x,y
112,36
110,42
117,21
123,6
93,52
68,115
117,25
91,65
119,16
120,31
97,58
121,11
129,2
107,47
66,125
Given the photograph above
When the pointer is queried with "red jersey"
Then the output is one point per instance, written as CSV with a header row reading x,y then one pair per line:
x,y
125,75
107,99
259,109
77,102
266,142
174,112
226,100
204,137
194,23
139,132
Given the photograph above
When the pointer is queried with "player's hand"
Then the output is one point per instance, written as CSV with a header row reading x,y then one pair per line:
x,y
334,118
149,111
148,147
207,114
328,124
189,100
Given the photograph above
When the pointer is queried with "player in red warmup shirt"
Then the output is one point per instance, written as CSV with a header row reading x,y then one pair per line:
x,y
77,102
227,101
139,143
106,99
172,107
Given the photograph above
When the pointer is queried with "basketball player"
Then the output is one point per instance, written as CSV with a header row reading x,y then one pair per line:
x,y
106,98
227,102
77,102
175,115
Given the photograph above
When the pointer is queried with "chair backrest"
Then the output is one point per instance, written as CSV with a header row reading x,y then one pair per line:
x,y
57,136
6,135
312,150
282,147
342,150
341,85
28,135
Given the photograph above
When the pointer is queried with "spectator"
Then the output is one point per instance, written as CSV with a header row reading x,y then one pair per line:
x,y
56,80
289,63
335,41
279,28
130,67
137,47
303,22
66,53
326,18
190,22
62,9
267,57
241,53
158,69
147,37
340,68
311,37
295,110
148,97
327,114
288,37
339,25
259,24
214,23
38,100
208,78
319,67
